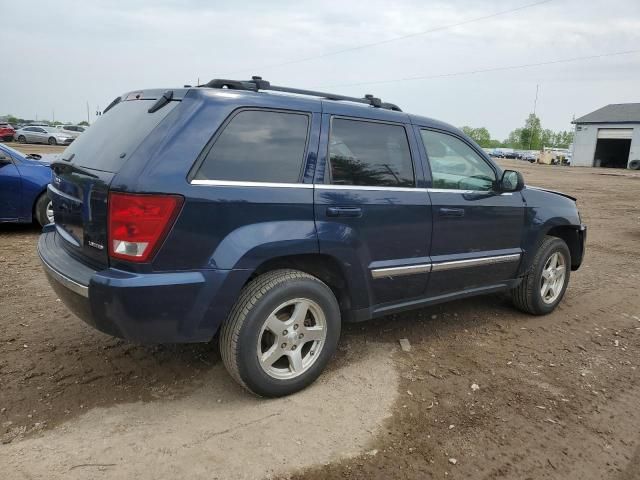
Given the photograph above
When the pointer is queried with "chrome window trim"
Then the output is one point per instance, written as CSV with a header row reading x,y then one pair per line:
x,y
235,183
72,285
326,186
474,262
464,192
400,271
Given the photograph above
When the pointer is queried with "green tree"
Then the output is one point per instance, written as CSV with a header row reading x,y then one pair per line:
x,y
84,123
480,135
530,134
514,139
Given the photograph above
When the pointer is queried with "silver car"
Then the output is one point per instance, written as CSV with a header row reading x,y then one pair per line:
x,y
42,134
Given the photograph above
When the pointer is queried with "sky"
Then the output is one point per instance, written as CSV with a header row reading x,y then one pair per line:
x,y
66,53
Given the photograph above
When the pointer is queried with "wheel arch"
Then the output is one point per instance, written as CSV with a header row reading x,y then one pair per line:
x,y
324,267
34,202
571,236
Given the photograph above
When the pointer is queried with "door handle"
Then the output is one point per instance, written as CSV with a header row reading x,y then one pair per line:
x,y
451,212
344,212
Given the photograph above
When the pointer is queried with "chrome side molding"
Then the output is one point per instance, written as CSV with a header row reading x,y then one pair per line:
x,y
400,271
475,262
442,266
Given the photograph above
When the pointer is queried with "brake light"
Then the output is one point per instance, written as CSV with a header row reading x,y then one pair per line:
x,y
139,223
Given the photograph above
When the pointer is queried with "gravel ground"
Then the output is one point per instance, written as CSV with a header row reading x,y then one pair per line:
x,y
485,392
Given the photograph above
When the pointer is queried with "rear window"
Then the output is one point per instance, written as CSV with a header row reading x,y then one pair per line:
x,y
118,131
258,146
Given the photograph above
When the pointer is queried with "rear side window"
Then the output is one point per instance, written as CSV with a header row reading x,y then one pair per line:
x,y
369,154
258,146
117,132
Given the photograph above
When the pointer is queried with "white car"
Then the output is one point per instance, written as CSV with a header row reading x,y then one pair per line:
x,y
71,130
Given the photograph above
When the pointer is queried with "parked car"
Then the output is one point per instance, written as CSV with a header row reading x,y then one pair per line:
x,y
273,218
23,187
6,132
43,134
71,130
530,157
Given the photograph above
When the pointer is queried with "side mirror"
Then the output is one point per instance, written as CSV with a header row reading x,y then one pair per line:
x,y
511,181
4,160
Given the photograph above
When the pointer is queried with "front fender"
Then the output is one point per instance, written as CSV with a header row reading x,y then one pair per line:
x,y
544,211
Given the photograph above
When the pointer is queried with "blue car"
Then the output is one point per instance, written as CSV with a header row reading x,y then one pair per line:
x,y
23,187
270,215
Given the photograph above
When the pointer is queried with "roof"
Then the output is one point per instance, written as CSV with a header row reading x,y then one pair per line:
x,y
613,113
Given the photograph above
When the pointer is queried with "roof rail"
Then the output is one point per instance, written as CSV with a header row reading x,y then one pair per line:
x,y
257,83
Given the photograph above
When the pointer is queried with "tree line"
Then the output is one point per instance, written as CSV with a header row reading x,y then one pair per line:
x,y
529,137
22,121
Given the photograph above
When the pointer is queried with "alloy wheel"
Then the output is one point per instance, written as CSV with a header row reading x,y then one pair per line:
x,y
292,338
49,212
553,278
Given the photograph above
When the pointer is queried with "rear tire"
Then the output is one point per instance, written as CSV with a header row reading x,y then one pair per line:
x,y
52,141
263,343
543,276
43,210
634,164
22,139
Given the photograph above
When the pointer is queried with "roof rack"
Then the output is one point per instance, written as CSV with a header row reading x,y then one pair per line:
x,y
257,83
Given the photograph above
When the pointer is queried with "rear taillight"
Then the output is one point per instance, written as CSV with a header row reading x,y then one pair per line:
x,y
138,223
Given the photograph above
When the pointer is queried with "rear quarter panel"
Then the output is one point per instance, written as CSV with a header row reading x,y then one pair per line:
x,y
35,178
222,227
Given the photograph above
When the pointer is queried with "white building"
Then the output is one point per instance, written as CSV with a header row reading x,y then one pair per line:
x,y
608,137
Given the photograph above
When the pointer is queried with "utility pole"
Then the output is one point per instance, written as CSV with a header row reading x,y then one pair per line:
x,y
535,105
88,119
53,116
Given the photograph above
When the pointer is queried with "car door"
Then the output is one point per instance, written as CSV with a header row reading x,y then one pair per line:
x,y
477,231
372,210
10,188
31,133
40,135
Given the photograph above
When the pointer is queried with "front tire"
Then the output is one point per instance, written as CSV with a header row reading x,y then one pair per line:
x,y
52,141
44,210
22,139
545,284
281,334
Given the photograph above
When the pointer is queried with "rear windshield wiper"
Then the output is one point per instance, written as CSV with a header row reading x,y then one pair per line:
x,y
161,102
112,104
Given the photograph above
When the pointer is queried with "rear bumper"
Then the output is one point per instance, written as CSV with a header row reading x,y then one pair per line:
x,y
177,307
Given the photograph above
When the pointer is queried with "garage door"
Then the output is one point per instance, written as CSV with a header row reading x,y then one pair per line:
x,y
622,133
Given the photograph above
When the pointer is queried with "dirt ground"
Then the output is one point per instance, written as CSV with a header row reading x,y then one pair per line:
x,y
486,392
35,148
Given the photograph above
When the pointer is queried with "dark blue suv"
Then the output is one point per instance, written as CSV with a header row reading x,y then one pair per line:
x,y
273,214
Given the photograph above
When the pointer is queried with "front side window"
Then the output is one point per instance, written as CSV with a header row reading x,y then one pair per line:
x,y
258,146
369,154
455,165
